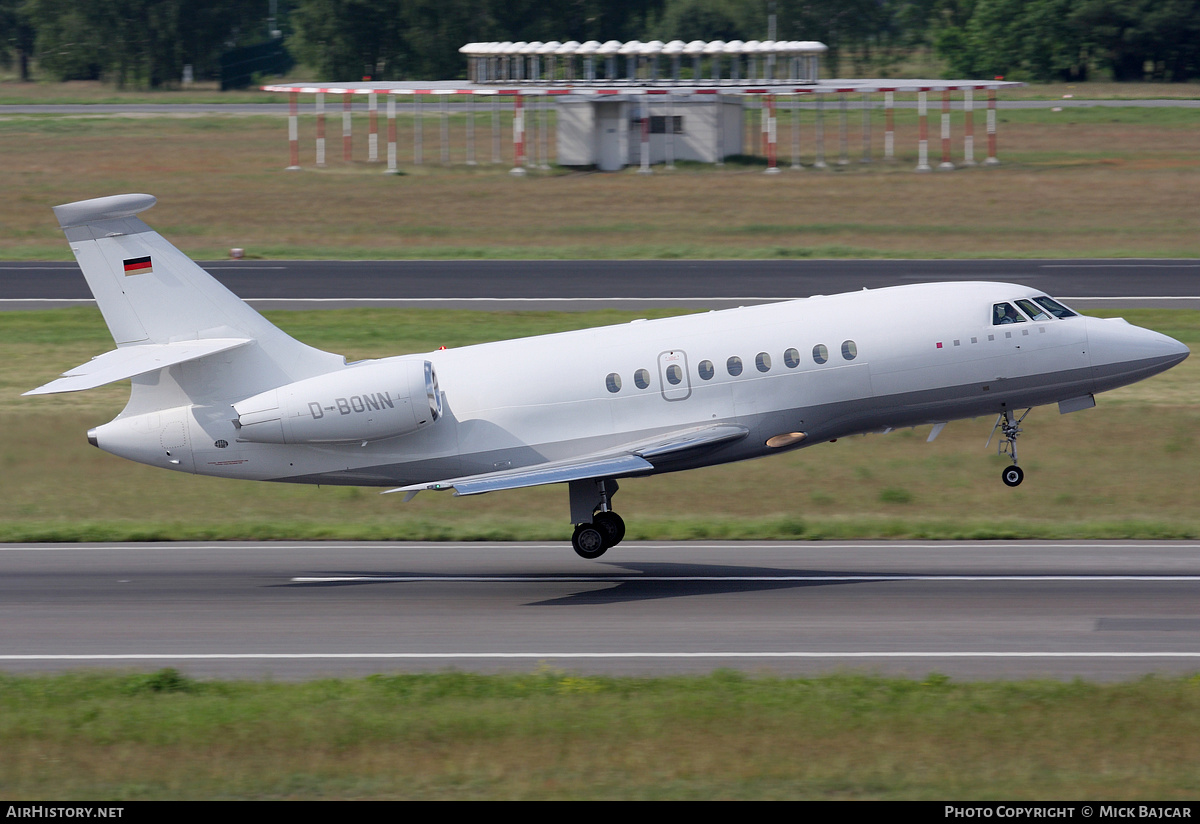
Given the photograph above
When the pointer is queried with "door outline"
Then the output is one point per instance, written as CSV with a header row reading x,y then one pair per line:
x,y
674,392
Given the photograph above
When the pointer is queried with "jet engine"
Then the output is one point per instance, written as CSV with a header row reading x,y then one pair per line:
x,y
366,402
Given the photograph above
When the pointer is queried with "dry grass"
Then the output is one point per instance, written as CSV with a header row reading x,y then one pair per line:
x,y
1120,182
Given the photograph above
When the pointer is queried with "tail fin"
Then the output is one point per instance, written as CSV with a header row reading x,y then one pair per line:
x,y
170,318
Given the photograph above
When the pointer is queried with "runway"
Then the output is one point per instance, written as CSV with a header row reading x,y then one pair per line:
x,y
1099,610
593,284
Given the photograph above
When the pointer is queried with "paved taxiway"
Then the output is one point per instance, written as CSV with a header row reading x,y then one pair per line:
x,y
297,610
593,284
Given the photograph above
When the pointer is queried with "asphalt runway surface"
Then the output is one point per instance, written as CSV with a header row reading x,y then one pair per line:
x,y
594,284
1099,610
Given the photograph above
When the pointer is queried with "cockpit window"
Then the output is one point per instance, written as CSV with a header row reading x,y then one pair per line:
x,y
1054,307
1004,313
1033,310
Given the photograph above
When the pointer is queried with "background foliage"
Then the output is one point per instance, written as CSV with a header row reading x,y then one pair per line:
x,y
147,42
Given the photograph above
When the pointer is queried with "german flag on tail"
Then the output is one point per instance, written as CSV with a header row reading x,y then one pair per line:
x,y
139,266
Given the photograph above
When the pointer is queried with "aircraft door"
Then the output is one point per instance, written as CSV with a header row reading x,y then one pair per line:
x,y
673,375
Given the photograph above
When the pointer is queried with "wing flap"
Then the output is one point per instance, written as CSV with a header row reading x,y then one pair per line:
x,y
135,360
629,459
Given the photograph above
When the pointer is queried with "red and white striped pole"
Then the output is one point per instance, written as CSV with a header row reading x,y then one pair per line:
x,y
320,107
518,137
795,99
946,165
992,160
763,117
391,123
772,167
820,163
968,127
470,130
418,131
373,128
843,133
923,133
644,166
866,127
294,132
346,100
889,127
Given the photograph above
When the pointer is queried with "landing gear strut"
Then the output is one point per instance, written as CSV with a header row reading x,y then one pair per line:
x,y
597,527
1010,428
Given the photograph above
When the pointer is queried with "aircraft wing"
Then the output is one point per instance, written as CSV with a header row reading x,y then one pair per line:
x,y
134,360
628,459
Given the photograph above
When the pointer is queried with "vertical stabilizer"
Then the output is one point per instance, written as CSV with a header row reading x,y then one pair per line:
x,y
152,294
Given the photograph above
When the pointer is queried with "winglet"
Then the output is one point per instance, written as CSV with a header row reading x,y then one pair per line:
x,y
112,207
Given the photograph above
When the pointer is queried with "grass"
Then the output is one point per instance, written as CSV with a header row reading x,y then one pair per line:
x,y
1123,470
554,735
1081,182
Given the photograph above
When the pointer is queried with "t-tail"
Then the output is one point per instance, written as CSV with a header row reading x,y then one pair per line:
x,y
181,336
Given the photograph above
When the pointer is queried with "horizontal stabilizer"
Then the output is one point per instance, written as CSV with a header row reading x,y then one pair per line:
x,y
629,459
135,360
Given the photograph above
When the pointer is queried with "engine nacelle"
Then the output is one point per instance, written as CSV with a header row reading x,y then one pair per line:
x,y
367,402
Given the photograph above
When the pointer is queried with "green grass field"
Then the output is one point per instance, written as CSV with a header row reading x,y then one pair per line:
x,y
1081,182
553,735
1125,469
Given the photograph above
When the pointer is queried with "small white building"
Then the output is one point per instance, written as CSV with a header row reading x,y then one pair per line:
x,y
606,131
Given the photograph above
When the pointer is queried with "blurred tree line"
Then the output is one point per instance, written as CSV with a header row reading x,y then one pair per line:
x,y
147,42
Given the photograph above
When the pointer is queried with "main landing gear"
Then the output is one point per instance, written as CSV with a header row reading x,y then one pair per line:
x,y
1010,428
597,527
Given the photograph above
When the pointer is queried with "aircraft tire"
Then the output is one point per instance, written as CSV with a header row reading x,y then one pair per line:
x,y
612,525
589,541
1012,475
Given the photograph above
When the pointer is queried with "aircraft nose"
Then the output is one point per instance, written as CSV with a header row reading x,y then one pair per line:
x,y
1122,353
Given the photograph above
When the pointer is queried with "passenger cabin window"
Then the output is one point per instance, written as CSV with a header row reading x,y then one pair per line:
x,y
674,374
734,366
641,378
1004,313
1054,307
820,353
1033,310
849,349
792,358
706,370
613,382
762,362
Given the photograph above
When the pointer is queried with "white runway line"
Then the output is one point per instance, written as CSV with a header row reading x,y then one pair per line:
x,y
622,579
410,656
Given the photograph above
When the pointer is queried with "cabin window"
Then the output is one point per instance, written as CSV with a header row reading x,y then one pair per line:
x,y
613,382
674,374
734,366
1033,310
850,349
820,353
1054,307
762,362
641,378
1004,313
792,358
706,370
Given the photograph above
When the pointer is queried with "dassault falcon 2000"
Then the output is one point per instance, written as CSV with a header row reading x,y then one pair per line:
x,y
218,390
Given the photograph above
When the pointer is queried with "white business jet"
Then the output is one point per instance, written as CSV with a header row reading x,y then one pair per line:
x,y
218,390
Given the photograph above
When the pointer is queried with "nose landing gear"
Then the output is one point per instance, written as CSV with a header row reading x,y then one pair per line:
x,y
1010,428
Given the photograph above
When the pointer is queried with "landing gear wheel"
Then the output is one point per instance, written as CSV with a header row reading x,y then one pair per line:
x,y
1013,475
611,524
589,541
